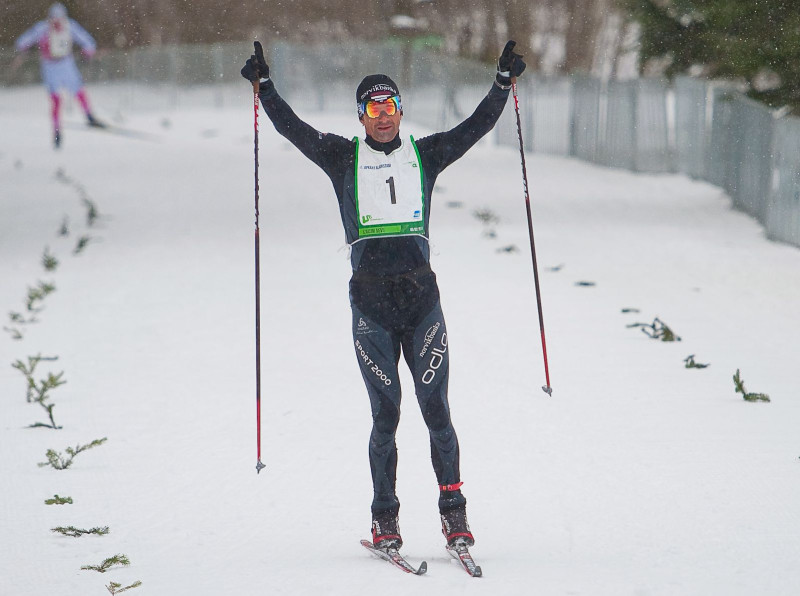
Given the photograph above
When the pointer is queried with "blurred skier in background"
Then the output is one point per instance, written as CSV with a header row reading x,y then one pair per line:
x,y
55,37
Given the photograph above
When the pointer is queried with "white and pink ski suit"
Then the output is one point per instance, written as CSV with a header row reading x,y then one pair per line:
x,y
55,37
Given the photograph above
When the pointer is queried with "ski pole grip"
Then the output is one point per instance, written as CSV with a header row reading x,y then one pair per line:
x,y
255,87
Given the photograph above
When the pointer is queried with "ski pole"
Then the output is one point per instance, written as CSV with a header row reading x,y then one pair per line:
x,y
546,388
259,465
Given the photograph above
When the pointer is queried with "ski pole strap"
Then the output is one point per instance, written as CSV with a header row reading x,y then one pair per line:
x,y
450,487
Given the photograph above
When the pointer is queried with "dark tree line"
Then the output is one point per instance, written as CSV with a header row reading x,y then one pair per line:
x,y
557,35
756,43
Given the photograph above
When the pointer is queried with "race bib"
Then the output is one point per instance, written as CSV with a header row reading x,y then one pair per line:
x,y
60,41
389,196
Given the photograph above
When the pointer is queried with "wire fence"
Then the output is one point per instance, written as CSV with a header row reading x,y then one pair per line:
x,y
704,130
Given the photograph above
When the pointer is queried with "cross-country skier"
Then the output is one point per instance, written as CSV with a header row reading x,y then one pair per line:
x,y
384,182
55,37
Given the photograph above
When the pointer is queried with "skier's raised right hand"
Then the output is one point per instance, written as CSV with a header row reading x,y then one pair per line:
x,y
510,64
256,67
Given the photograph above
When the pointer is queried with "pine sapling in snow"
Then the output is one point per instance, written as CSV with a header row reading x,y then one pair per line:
x,y
739,383
60,462
14,332
489,219
63,230
41,395
91,211
74,532
62,176
82,243
49,262
16,317
657,330
56,500
108,563
29,369
511,248
689,362
92,214
486,216
36,295
33,305
116,588
40,392
49,409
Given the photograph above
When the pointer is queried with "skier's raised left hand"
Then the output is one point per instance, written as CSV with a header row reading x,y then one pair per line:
x,y
256,67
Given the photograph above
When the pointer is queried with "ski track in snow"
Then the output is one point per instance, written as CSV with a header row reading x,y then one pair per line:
x,y
636,477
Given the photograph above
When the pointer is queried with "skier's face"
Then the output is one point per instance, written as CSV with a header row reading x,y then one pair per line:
x,y
383,128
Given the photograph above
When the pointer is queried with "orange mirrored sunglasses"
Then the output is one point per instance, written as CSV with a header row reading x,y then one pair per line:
x,y
374,108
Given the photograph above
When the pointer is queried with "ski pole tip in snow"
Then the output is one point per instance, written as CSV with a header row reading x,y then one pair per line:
x,y
547,389
259,467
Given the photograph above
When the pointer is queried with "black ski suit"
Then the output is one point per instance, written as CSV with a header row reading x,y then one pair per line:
x,y
393,293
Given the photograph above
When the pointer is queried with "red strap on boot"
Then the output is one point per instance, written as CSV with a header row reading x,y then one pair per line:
x,y
450,487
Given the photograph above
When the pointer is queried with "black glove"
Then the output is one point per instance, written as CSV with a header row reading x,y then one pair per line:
x,y
509,65
256,67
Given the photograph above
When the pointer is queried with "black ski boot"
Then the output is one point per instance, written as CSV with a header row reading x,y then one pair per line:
x,y
456,528
385,530
92,121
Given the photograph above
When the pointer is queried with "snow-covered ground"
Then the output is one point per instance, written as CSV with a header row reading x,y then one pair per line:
x,y
638,476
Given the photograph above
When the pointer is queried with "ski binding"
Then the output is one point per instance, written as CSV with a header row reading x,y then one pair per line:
x,y
395,558
460,552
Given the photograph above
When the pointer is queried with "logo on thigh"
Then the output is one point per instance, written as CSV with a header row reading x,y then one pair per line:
x,y
430,335
370,365
437,357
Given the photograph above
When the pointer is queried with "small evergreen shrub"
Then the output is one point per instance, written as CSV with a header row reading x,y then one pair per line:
x,y
115,588
60,462
78,532
489,220
82,243
36,295
91,211
14,332
16,319
657,330
486,216
108,563
40,392
511,248
56,500
92,214
41,397
689,362
49,262
753,397
28,370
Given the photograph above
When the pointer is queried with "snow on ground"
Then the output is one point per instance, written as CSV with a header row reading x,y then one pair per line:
x,y
638,476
